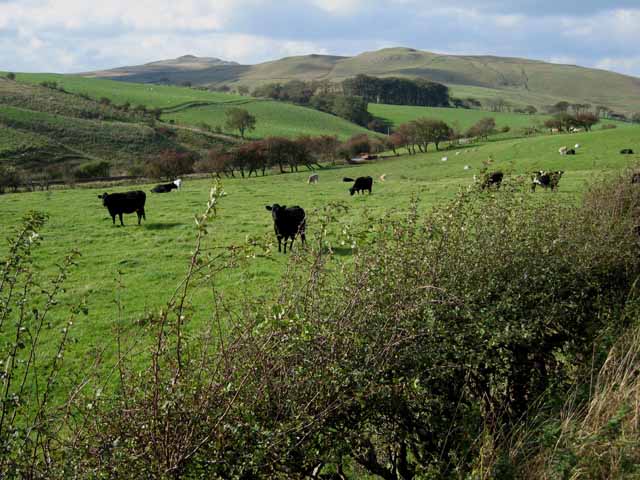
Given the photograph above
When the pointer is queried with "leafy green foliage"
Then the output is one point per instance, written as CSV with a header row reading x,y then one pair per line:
x,y
240,119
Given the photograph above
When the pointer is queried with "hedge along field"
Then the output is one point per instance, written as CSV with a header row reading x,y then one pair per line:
x,y
273,119
149,261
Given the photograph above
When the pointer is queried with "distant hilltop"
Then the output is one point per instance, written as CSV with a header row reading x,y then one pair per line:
x,y
518,80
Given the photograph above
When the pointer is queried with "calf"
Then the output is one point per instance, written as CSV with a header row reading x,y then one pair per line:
x,y
127,202
360,184
164,187
626,151
287,223
490,179
313,178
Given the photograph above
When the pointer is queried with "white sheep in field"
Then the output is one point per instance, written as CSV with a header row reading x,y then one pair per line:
x,y
467,167
577,145
444,159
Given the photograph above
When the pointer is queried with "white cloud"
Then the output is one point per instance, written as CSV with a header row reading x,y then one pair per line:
x,y
626,65
339,7
79,35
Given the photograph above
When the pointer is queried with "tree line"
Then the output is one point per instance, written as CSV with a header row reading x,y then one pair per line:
x,y
397,91
350,99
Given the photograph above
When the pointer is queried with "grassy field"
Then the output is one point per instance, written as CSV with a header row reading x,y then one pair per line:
x,y
273,119
151,96
149,260
463,119
398,114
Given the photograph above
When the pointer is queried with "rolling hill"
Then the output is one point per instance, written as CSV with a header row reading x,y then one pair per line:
x,y
519,80
83,119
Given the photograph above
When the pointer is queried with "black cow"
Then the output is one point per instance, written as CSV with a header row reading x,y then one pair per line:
x,y
626,151
571,151
164,187
546,179
127,202
361,184
287,223
494,178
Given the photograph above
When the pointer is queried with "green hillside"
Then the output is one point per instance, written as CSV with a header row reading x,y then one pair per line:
x,y
519,80
84,119
273,118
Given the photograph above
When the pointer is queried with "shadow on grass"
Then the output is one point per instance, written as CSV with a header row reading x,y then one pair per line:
x,y
161,226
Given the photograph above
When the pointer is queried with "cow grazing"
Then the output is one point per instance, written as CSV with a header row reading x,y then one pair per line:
x,y
313,178
492,179
127,202
570,151
360,184
287,223
626,151
164,187
546,180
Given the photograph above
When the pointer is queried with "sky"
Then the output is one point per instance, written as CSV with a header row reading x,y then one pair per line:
x,y
69,36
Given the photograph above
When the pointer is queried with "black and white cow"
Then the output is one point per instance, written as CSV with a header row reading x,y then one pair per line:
x,y
287,223
127,202
546,179
164,187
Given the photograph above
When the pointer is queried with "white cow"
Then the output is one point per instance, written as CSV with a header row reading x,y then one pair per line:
x,y
562,150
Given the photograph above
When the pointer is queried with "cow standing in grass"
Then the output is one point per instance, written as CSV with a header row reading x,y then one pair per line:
x,y
127,202
546,180
287,223
360,184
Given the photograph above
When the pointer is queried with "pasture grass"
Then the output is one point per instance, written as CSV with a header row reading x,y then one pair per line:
x,y
141,266
151,96
273,119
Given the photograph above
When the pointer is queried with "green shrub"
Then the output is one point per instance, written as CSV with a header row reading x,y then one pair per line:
x,y
94,169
